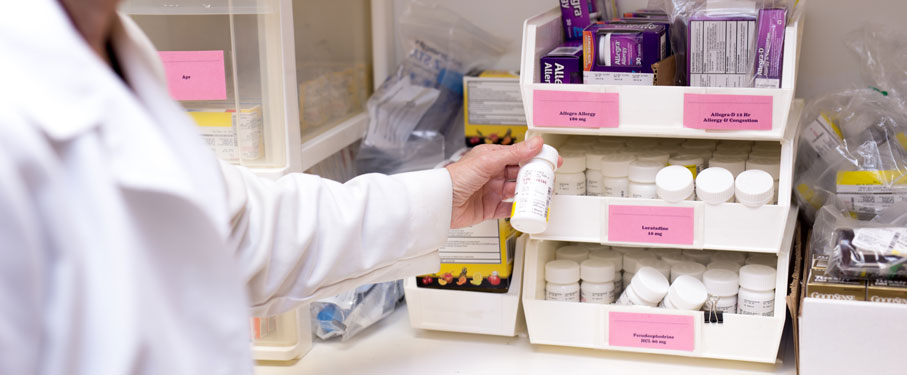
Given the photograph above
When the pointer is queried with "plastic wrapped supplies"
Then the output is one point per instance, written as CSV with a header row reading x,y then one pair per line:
x,y
348,313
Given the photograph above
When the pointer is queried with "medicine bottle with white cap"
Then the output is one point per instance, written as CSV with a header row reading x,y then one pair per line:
x,y
647,288
685,293
570,178
598,281
674,184
715,186
722,287
754,188
615,168
534,188
756,295
642,178
563,280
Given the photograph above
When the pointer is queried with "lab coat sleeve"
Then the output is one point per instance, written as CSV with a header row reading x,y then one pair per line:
x,y
302,237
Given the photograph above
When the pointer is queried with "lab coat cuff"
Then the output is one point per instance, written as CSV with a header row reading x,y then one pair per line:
x,y
431,197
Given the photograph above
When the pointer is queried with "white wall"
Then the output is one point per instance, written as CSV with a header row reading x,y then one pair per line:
x,y
825,65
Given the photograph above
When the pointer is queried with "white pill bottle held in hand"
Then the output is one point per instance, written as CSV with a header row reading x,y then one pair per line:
x,y
534,188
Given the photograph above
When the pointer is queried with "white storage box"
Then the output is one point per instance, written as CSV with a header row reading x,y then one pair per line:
x,y
644,110
284,337
684,333
726,226
465,311
851,337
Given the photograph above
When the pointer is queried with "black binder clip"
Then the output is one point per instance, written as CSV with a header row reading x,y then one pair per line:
x,y
712,315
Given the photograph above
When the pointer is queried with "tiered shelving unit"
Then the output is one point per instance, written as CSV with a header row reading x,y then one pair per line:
x,y
658,111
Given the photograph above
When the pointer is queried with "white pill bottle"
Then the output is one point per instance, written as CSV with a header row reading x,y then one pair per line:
x,y
534,188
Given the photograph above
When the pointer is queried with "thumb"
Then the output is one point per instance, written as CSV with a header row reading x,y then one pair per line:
x,y
522,152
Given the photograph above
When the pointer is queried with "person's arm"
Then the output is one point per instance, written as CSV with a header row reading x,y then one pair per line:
x,y
303,237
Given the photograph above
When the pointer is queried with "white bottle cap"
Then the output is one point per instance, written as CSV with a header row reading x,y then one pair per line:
x,y
757,277
594,159
608,256
644,171
754,188
676,258
763,259
659,156
687,268
574,162
685,159
730,256
597,271
574,253
562,271
735,164
674,183
649,284
723,265
659,265
548,154
616,165
715,185
687,293
721,283
702,257
631,260
773,167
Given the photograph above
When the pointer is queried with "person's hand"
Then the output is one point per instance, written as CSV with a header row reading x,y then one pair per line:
x,y
486,176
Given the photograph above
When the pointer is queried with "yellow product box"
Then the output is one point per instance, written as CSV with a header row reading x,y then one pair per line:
x,y
233,136
493,109
887,291
822,285
477,258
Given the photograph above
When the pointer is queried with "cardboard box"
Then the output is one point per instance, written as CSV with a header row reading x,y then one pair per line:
x,y
887,291
477,258
624,53
576,15
493,109
720,51
563,64
823,285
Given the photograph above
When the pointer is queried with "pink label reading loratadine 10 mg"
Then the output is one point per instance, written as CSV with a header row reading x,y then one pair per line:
x,y
652,331
651,224
571,109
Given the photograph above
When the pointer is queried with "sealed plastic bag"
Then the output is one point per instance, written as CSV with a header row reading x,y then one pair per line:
x,y
348,313
416,107
853,148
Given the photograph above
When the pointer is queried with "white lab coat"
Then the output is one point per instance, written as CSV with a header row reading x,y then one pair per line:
x,y
124,246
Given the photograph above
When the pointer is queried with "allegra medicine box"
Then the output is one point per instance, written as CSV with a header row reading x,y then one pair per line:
x,y
619,49
720,51
493,109
770,48
576,15
564,64
477,258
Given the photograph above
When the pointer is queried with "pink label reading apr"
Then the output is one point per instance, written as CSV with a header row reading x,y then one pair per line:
x,y
571,109
651,224
727,112
195,75
653,331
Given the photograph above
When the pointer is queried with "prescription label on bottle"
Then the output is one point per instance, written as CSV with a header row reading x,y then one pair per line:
x,y
195,75
652,331
651,224
570,109
727,112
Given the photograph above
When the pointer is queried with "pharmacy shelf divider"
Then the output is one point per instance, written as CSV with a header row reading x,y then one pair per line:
x,y
653,330
470,312
652,111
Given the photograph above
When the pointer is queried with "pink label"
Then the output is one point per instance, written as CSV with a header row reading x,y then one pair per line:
x,y
727,112
571,109
653,331
195,75
651,224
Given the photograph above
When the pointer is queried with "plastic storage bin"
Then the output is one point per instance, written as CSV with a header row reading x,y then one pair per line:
x,y
226,62
283,337
653,330
643,110
726,226
465,311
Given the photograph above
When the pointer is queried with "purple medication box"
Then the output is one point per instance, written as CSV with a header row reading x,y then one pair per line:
x,y
657,21
576,16
564,64
623,47
770,47
720,51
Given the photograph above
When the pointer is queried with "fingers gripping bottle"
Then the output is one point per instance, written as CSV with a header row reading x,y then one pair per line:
x,y
534,188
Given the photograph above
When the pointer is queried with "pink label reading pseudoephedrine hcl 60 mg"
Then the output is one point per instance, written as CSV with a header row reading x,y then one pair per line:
x,y
652,331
